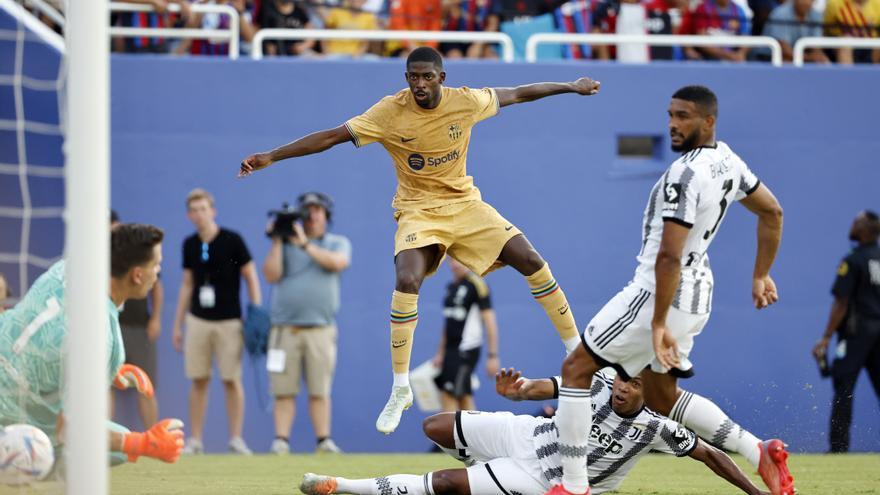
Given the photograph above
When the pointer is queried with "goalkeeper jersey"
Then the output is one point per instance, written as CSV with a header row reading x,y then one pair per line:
x,y
33,340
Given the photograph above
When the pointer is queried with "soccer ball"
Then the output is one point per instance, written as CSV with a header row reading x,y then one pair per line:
x,y
26,454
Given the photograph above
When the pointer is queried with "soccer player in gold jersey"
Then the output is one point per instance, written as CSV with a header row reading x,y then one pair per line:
x,y
426,129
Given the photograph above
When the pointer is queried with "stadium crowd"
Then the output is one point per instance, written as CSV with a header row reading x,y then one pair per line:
x,y
785,21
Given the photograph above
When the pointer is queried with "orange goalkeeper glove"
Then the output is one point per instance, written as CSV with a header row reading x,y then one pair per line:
x,y
129,376
164,441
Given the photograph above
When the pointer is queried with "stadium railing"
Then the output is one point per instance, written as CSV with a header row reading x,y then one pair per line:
x,y
801,45
230,35
48,10
379,35
653,40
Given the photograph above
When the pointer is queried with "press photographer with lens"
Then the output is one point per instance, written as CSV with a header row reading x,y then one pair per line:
x,y
305,263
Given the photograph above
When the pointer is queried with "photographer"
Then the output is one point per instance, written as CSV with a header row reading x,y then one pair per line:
x,y
304,262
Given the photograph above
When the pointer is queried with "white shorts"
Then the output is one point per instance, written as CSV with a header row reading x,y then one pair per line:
x,y
501,444
620,333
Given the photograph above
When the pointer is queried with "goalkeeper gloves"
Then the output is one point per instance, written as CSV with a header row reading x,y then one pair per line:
x,y
129,376
164,441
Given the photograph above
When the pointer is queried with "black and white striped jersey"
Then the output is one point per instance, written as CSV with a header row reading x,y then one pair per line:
x,y
616,442
462,307
694,192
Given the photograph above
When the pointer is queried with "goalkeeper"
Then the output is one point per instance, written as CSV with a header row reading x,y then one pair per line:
x,y
33,345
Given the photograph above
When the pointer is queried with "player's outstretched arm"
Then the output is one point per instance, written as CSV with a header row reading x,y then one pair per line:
x,y
763,203
723,466
531,92
315,142
667,272
510,384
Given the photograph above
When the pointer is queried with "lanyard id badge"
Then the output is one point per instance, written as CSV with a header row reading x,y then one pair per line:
x,y
207,297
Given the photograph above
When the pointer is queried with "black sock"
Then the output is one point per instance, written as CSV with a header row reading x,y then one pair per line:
x,y
321,439
279,437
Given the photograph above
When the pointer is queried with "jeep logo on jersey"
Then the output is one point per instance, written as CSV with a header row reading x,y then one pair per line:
x,y
454,131
605,440
416,161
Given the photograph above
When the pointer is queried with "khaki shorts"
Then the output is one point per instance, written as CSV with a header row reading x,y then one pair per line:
x,y
207,338
471,232
309,349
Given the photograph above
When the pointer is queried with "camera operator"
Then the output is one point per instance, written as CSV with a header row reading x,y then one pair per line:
x,y
304,262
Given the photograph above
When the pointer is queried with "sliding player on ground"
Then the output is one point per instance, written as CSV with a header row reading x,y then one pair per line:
x,y
508,454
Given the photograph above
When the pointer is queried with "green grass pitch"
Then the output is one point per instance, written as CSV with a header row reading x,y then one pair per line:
x,y
272,475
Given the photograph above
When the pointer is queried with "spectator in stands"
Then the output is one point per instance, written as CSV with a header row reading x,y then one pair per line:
x,y
141,324
467,309
622,17
857,19
246,26
468,15
761,10
350,15
413,15
720,18
665,17
286,14
39,13
574,17
522,10
5,293
634,17
374,7
792,21
305,261
160,18
855,317
519,19
214,262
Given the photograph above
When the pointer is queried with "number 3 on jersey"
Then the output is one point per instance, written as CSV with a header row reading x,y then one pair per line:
x,y
728,186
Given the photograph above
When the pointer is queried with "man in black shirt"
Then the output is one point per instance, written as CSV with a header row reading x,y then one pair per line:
x,y
214,262
285,14
467,310
855,316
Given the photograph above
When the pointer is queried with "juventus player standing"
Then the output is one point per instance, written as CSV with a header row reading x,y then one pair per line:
x,y
652,322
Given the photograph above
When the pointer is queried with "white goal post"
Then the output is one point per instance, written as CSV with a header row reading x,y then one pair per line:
x,y
87,247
